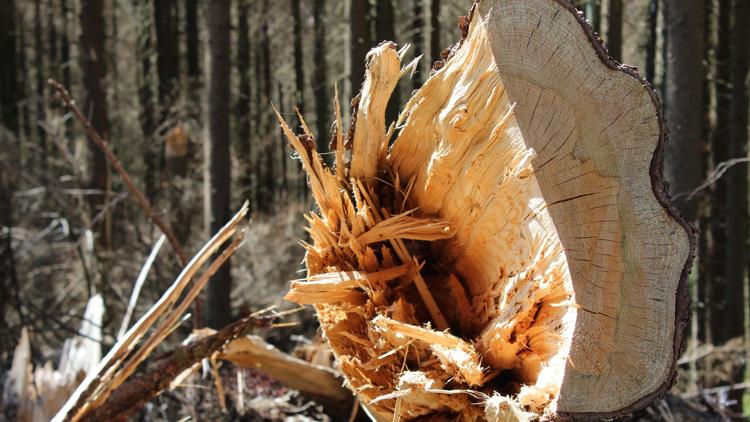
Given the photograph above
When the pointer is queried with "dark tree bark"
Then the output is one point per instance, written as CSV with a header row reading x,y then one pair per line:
x,y
299,72
282,148
260,126
384,31
166,15
23,67
684,98
320,78
40,103
65,43
242,105
93,66
193,58
737,184
653,17
593,13
436,45
418,40
9,94
712,291
614,30
145,81
52,41
267,184
361,41
218,305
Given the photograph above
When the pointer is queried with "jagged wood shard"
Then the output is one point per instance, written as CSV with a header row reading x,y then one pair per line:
x,y
512,255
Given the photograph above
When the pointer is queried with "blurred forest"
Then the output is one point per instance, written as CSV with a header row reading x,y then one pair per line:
x,y
182,91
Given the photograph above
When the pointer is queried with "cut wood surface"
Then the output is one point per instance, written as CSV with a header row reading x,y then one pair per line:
x,y
548,274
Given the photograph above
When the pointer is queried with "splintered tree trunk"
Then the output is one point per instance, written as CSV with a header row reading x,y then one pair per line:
x,y
93,60
683,165
218,304
513,255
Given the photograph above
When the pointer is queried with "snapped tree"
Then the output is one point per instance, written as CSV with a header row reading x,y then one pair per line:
x,y
513,255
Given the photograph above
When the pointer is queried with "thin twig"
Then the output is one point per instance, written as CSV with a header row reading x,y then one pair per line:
x,y
139,197
714,177
138,284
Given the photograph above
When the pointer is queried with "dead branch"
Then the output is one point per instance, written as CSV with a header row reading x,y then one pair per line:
x,y
123,359
140,198
147,384
714,177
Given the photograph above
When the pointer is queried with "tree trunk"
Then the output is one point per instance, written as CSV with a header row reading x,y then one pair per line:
x,y
418,40
587,310
299,73
193,58
614,30
25,103
653,18
145,80
52,41
41,83
9,94
166,15
218,305
93,61
268,181
737,184
320,77
360,42
436,46
242,107
683,167
260,125
384,31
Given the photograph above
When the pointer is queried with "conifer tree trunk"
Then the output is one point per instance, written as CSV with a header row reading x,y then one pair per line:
x,y
683,166
384,30
435,44
9,94
737,184
268,182
40,103
614,30
418,40
653,17
218,304
93,66
360,42
242,106
193,58
320,77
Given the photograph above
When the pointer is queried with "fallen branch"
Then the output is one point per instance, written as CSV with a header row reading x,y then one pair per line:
x,y
148,383
123,359
140,198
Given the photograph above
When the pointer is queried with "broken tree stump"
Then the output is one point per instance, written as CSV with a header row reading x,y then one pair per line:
x,y
512,255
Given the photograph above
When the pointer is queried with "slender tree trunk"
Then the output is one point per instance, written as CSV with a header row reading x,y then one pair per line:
x,y
192,56
737,184
418,40
282,147
436,45
218,304
65,43
23,67
320,78
54,66
593,13
653,18
9,94
166,15
41,112
260,127
242,105
684,100
361,40
268,182
614,30
384,31
299,73
715,287
93,66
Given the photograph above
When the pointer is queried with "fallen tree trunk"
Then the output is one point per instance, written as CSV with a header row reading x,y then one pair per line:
x,y
513,255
